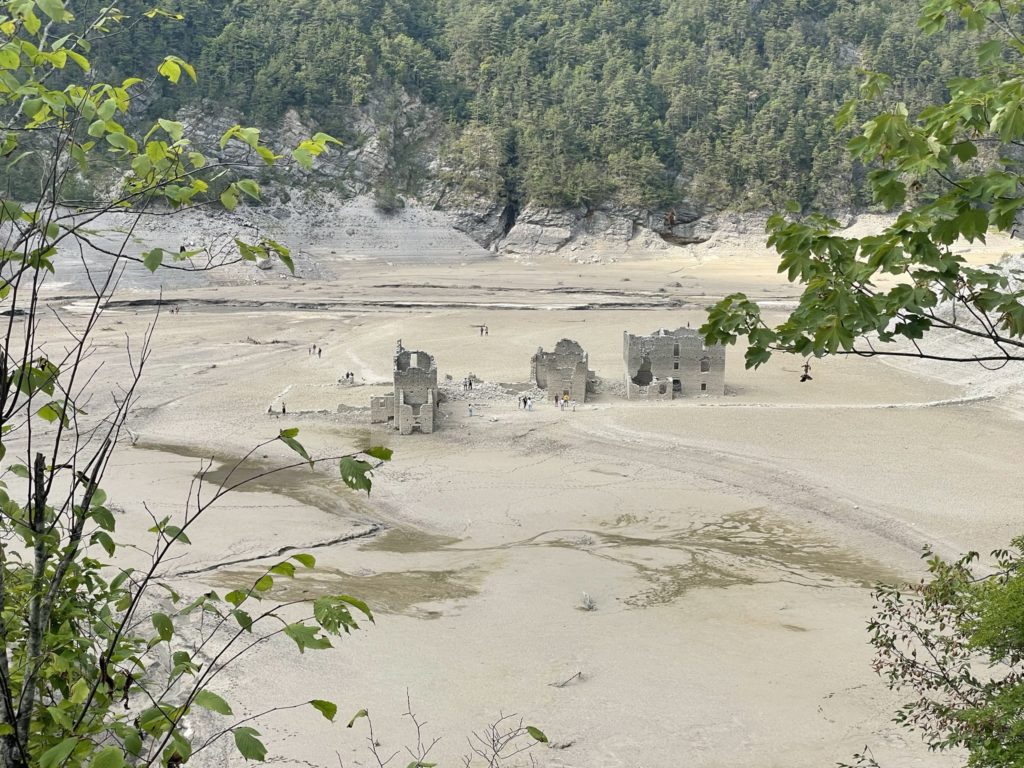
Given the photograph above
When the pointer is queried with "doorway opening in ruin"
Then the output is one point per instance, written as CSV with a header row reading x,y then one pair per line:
x,y
705,364
677,387
662,388
703,386
644,376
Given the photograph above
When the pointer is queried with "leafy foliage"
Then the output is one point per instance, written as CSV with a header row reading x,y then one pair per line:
x,y
955,642
955,170
102,665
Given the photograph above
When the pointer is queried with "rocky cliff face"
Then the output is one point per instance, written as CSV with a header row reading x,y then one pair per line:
x,y
538,231
394,153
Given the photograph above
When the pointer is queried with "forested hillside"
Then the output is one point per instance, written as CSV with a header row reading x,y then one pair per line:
x,y
643,103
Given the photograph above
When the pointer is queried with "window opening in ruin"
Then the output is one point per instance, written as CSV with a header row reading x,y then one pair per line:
x,y
675,366
644,376
661,388
675,350
414,360
703,386
705,364
677,386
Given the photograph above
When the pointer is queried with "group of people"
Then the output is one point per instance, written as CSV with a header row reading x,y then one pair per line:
x,y
565,403
484,330
316,351
467,384
350,378
526,403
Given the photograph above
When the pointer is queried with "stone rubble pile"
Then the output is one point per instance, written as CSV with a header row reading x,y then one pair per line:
x,y
486,392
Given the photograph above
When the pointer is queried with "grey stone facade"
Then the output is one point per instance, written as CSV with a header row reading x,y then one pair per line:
x,y
669,364
414,402
563,372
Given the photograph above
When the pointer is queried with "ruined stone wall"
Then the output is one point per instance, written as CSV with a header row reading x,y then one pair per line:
x,y
670,364
414,402
416,376
382,409
566,370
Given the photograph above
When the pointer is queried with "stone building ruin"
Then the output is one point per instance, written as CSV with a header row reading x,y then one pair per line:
x,y
414,402
563,372
669,364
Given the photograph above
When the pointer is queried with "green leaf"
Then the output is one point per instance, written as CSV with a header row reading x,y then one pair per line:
x,y
355,473
49,413
79,691
211,701
153,259
109,757
170,69
236,597
290,432
306,637
244,619
52,8
57,754
250,747
9,58
104,518
358,604
295,445
103,539
356,716
164,627
264,583
307,560
250,187
379,452
326,708
229,199
537,734
285,569
173,129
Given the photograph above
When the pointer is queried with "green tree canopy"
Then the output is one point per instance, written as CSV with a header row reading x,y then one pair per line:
x,y
953,171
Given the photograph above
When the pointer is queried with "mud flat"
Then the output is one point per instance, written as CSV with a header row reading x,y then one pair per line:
x,y
727,544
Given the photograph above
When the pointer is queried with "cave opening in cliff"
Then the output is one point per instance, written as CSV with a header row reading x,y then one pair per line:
x,y
508,218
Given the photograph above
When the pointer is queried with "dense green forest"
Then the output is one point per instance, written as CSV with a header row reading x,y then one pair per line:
x,y
727,103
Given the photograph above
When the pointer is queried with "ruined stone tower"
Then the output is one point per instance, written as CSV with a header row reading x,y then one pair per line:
x,y
669,364
562,372
414,402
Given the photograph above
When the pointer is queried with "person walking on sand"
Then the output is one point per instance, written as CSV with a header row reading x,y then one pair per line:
x,y
481,330
572,404
529,403
471,409
319,353
284,408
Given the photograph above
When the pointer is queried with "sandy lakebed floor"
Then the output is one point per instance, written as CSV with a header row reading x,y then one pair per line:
x,y
729,543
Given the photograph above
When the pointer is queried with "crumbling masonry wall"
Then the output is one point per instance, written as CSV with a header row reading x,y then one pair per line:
x,y
563,372
669,364
414,404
